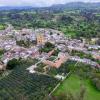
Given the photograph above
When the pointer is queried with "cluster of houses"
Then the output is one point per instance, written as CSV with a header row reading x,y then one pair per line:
x,y
9,36
84,60
7,44
19,52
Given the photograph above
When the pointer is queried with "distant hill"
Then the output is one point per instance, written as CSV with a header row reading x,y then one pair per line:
x,y
14,7
77,5
71,5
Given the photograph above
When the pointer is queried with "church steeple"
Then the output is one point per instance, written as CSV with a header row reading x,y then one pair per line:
x,y
40,38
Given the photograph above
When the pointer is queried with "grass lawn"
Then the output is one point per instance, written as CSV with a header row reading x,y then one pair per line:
x,y
72,84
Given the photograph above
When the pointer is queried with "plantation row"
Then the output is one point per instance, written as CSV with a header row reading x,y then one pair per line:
x,y
21,84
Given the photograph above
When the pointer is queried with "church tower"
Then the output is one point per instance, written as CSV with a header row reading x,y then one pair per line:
x,y
40,38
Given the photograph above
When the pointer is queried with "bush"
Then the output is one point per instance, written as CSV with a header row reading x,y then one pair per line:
x,y
1,51
96,83
23,43
47,47
56,52
12,63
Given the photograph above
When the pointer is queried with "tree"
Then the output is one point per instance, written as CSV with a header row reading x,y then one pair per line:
x,y
64,96
12,63
1,51
47,47
82,92
96,83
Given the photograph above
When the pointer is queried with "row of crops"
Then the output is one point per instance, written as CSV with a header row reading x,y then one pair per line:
x,y
22,85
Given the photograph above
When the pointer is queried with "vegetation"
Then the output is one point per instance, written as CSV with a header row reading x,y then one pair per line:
x,y
74,22
47,47
81,54
52,58
81,76
40,67
2,26
74,85
23,43
64,69
22,85
56,52
1,52
12,63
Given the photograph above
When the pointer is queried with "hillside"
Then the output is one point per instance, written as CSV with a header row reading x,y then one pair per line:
x,y
74,19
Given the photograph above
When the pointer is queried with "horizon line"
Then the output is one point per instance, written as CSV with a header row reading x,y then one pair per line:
x,y
49,5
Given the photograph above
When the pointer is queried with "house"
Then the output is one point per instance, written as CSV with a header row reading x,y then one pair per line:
x,y
59,77
95,47
62,57
96,56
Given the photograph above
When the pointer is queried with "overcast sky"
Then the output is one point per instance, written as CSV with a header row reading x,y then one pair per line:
x,y
38,2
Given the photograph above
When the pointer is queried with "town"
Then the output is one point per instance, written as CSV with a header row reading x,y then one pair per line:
x,y
12,42
48,49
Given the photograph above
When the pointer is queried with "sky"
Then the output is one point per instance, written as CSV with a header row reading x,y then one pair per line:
x,y
38,2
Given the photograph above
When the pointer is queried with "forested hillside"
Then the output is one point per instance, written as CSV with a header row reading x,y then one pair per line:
x,y
74,19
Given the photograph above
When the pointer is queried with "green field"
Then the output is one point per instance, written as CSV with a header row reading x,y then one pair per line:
x,y
73,83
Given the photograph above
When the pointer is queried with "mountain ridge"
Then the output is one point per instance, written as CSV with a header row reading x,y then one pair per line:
x,y
63,6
